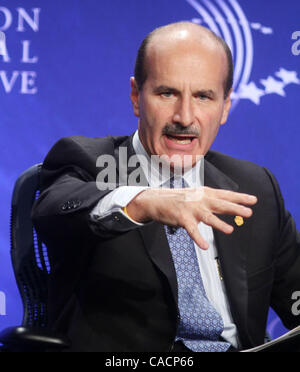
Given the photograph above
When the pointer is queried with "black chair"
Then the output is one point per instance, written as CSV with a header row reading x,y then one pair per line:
x,y
31,269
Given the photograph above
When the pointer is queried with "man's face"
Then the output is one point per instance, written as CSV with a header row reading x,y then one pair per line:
x,y
181,105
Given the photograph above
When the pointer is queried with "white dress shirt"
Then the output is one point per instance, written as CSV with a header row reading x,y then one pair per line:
x,y
208,264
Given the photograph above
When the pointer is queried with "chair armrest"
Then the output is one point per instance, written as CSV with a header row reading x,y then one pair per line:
x,y
19,339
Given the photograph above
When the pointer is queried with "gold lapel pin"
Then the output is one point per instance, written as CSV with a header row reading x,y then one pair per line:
x,y
239,221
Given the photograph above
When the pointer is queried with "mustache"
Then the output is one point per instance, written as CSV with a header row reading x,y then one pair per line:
x,y
178,129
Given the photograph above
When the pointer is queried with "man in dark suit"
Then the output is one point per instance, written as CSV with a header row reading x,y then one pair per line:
x,y
151,267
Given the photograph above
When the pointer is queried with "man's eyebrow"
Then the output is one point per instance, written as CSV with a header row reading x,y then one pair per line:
x,y
205,92
165,88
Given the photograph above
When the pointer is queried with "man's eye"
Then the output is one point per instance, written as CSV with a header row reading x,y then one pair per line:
x,y
203,97
167,94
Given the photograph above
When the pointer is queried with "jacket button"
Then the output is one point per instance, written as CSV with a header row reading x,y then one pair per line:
x,y
64,207
77,204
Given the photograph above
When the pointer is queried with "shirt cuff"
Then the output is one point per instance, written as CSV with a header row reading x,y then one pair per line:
x,y
110,208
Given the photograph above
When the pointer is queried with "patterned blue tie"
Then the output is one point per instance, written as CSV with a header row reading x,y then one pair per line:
x,y
200,325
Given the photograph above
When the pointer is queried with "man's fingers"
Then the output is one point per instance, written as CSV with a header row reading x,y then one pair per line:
x,y
231,196
216,223
225,207
193,231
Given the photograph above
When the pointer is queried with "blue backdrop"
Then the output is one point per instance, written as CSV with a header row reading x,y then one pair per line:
x,y
67,72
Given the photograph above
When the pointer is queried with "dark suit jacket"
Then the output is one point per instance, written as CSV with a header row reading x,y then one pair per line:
x,y
118,291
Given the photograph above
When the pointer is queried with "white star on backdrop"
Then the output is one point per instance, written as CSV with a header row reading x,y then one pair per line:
x,y
288,77
250,91
273,86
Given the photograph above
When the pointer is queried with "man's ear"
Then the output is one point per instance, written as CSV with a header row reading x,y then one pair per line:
x,y
134,96
226,109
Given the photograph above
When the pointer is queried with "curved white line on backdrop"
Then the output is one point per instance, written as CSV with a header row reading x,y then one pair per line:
x,y
223,25
208,19
249,42
239,61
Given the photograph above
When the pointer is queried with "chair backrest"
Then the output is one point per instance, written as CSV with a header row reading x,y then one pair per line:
x,y
28,253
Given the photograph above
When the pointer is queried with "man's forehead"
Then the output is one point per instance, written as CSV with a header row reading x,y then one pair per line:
x,y
183,44
184,33
186,60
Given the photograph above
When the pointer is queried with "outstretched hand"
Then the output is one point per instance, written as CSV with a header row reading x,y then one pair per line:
x,y
188,207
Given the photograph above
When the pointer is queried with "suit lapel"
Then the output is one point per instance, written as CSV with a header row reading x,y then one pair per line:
x,y
232,250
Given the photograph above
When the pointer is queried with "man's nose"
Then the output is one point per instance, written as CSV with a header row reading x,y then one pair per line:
x,y
184,112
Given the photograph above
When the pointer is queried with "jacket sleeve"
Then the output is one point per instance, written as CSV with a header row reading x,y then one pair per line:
x,y
68,188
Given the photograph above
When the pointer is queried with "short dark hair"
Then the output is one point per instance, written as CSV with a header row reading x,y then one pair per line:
x,y
140,71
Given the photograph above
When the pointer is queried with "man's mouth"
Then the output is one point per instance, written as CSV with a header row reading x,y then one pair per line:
x,y
183,140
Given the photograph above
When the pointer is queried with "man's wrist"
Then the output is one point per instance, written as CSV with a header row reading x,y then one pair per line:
x,y
136,209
